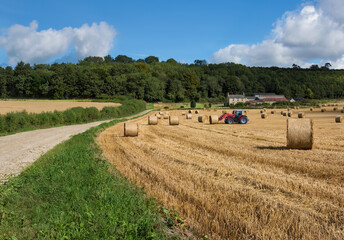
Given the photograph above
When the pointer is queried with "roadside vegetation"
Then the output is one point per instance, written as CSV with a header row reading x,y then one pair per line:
x,y
72,193
22,121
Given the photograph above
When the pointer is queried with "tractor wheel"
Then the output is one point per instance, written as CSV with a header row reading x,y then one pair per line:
x,y
243,120
229,120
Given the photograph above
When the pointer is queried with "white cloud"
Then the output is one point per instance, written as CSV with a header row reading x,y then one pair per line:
x,y
300,37
25,43
95,40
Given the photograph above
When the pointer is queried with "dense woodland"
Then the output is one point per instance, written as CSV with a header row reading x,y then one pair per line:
x,y
152,80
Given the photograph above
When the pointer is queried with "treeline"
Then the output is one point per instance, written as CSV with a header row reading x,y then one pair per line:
x,y
151,80
20,121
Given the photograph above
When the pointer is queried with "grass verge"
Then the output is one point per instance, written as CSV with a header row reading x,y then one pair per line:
x,y
72,193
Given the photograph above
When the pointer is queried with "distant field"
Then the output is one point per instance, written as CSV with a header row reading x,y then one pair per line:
x,y
36,106
239,181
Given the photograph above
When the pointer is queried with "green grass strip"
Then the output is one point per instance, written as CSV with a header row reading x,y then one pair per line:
x,y
72,193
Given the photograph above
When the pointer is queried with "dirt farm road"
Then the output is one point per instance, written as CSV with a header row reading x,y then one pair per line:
x,y
20,150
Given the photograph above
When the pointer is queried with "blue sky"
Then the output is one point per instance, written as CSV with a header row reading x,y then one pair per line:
x,y
217,31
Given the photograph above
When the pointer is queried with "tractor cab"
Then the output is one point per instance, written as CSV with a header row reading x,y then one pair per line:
x,y
238,113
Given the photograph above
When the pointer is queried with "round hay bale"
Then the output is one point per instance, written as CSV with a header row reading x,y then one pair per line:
x,y
130,129
161,113
281,112
189,116
342,111
264,109
336,104
213,119
323,110
284,113
261,111
196,112
190,111
202,118
165,116
264,115
339,119
311,109
272,111
335,109
245,112
288,109
290,114
158,116
183,113
174,120
300,115
300,133
152,120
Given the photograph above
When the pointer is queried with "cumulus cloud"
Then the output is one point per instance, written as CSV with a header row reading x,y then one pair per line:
x,y
25,43
315,31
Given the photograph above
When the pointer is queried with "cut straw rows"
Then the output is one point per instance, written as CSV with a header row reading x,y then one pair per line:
x,y
232,190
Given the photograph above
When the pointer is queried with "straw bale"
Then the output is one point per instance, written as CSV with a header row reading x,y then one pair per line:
x,y
130,129
264,115
202,118
300,114
174,120
189,116
290,114
152,120
339,119
213,119
323,110
300,133
158,116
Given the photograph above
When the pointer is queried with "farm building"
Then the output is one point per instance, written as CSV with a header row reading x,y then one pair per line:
x,y
257,98
267,98
234,99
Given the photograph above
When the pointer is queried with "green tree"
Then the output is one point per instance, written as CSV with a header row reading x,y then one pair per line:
x,y
123,59
151,59
191,83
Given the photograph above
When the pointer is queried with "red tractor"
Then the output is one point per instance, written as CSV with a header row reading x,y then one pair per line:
x,y
236,116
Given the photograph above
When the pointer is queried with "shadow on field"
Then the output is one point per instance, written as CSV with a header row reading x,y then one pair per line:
x,y
271,148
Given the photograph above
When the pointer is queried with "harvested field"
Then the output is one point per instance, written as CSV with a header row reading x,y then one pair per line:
x,y
239,181
47,106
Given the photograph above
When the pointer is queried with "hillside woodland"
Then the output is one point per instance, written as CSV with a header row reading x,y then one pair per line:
x,y
151,80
